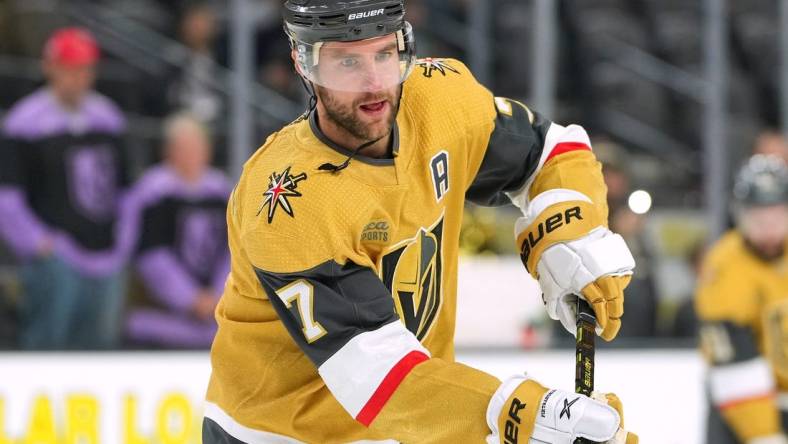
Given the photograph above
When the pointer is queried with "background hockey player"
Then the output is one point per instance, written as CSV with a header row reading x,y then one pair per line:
x,y
742,302
337,320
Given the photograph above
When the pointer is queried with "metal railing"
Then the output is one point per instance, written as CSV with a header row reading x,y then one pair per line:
x,y
148,50
710,91
151,52
133,39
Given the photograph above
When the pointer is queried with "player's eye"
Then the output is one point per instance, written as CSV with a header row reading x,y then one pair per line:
x,y
348,62
383,56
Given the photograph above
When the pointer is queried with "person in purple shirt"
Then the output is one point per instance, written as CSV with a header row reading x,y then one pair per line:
x,y
62,172
182,253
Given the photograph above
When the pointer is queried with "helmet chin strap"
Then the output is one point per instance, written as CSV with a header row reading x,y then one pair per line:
x,y
310,89
336,168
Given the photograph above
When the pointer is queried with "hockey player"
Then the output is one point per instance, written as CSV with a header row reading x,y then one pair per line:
x,y
742,303
337,320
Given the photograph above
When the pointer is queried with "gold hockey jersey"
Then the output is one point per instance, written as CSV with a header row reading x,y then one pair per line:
x,y
337,319
742,304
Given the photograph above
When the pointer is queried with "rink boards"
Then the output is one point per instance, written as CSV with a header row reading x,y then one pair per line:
x,y
146,398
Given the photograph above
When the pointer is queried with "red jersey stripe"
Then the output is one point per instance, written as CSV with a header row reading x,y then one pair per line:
x,y
566,147
735,402
390,383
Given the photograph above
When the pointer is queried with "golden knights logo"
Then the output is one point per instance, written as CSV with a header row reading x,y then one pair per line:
x,y
429,65
280,187
412,272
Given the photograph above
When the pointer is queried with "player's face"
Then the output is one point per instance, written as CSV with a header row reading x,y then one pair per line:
x,y
365,66
365,116
766,228
359,84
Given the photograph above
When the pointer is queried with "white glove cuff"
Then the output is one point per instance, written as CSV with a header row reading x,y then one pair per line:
x,y
542,202
499,399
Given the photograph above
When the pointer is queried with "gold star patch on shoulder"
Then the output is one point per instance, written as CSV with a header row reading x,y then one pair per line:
x,y
429,65
280,188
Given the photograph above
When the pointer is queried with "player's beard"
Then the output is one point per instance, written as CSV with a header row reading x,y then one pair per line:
x,y
768,252
346,116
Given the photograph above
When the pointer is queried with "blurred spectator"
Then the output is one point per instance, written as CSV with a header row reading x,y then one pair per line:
x,y
418,15
276,66
190,87
62,168
183,254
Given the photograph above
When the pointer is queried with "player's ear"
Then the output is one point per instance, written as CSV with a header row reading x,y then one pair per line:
x,y
293,56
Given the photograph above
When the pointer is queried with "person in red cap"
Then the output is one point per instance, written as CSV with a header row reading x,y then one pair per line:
x,y
70,57
62,169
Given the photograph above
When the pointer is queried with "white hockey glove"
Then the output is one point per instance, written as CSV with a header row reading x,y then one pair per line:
x,y
524,412
566,246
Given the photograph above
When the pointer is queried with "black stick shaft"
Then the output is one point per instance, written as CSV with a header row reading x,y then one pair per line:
x,y
584,352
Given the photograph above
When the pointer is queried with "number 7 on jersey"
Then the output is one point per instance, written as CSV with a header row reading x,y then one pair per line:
x,y
302,293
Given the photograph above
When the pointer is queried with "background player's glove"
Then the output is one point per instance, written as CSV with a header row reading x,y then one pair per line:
x,y
566,246
524,412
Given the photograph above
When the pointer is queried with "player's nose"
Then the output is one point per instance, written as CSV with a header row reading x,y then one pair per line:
x,y
372,82
374,77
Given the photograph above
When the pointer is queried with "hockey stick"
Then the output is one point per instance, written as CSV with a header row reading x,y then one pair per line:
x,y
584,352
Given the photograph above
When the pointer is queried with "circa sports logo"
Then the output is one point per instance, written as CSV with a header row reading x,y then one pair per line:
x,y
429,65
280,188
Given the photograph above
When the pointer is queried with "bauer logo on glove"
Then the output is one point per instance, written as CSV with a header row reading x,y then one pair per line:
x,y
548,226
512,429
566,246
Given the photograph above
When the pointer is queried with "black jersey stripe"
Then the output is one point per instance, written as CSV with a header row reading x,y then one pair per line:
x,y
512,155
346,301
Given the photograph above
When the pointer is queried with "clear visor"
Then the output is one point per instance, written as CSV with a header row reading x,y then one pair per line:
x,y
362,66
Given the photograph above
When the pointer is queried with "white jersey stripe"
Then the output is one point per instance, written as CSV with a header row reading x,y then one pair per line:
x,y
556,134
744,380
241,432
251,436
355,372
